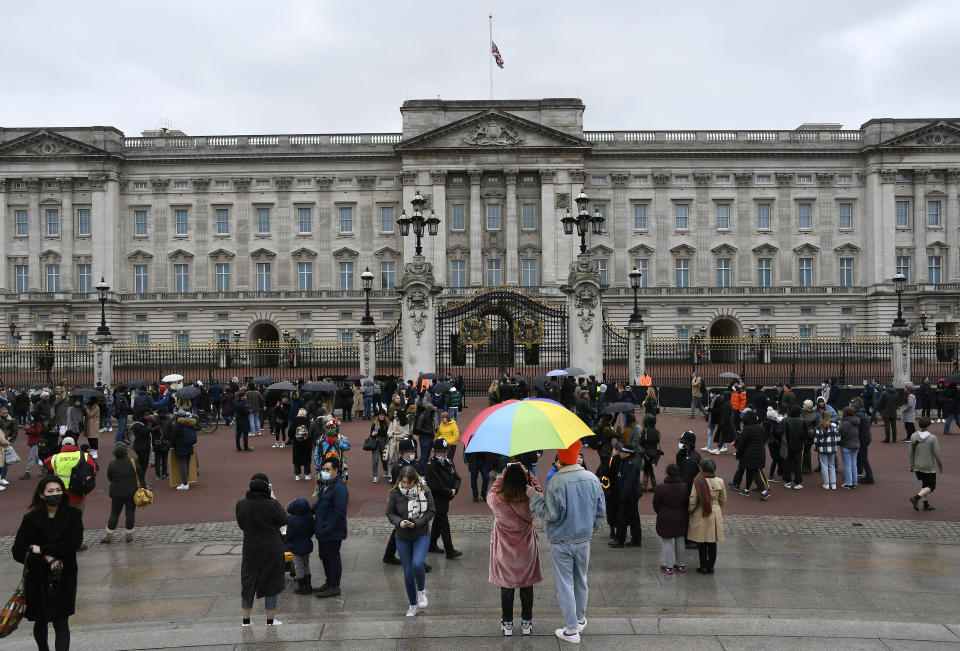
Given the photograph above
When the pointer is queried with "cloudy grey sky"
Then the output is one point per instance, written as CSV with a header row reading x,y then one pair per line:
x,y
311,66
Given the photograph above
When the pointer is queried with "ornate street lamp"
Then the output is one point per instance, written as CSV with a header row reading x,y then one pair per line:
x,y
367,278
13,331
899,282
65,327
102,289
923,321
418,222
236,336
583,221
636,319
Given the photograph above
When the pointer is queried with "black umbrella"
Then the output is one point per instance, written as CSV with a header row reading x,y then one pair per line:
x,y
430,376
440,387
282,386
41,385
138,383
575,370
617,407
354,376
319,385
86,393
262,379
187,393
954,379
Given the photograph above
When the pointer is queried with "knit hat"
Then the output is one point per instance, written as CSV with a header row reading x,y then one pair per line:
x,y
406,445
569,456
68,440
689,438
441,445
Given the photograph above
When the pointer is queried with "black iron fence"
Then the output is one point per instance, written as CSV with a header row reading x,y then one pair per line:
x,y
390,350
45,364
615,350
934,357
290,360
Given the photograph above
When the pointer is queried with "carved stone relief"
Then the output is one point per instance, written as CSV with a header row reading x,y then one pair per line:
x,y
494,132
585,304
563,200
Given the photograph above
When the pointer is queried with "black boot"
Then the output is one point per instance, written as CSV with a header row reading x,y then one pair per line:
x,y
307,584
300,587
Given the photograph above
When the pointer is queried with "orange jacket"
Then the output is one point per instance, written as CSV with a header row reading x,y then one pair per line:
x,y
646,381
738,400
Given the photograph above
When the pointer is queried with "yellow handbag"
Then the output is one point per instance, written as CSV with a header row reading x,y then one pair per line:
x,y
142,497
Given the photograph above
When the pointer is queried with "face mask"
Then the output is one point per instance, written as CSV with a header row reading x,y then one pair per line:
x,y
680,445
411,457
325,476
53,500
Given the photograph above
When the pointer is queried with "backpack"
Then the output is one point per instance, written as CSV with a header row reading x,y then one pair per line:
x,y
302,433
83,479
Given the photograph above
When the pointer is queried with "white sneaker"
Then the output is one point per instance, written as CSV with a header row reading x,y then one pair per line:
x,y
833,487
183,487
283,445
826,487
275,445
421,598
104,429
573,638
110,429
507,628
705,448
713,451
788,485
4,482
582,624
3,488
412,611
723,449
241,621
526,627
276,622
798,486
95,454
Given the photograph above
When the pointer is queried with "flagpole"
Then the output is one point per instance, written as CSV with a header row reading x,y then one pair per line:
x,y
490,55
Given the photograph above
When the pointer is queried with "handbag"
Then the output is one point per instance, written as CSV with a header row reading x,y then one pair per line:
x,y
10,455
142,497
370,443
15,607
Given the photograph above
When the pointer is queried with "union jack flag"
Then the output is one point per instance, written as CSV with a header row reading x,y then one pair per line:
x,y
496,54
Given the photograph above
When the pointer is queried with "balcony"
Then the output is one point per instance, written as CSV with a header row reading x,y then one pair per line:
x,y
288,144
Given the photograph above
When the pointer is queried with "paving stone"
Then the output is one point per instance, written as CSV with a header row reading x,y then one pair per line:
x,y
215,550
645,642
765,643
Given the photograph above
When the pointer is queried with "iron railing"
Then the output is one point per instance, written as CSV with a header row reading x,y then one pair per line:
x,y
46,364
389,343
615,350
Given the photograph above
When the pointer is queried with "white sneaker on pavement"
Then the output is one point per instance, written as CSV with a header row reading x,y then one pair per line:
x,y
421,598
4,482
526,627
412,611
573,638
581,624
275,622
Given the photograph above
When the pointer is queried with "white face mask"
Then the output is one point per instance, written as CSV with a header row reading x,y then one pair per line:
x,y
411,457
680,445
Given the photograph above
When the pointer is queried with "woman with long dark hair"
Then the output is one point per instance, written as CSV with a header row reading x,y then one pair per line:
x,y
47,542
514,558
410,509
705,505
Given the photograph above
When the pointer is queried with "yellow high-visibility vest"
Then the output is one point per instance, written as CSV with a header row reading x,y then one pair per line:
x,y
63,463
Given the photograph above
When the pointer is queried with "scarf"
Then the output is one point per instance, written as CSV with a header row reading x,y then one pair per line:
x,y
416,501
703,491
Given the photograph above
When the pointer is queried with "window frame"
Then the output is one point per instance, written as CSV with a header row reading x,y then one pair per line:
x,y
685,225
764,271
304,276
640,219
345,218
488,217
724,271
461,218
494,270
221,276
141,226
524,226
388,275
301,212
264,274
84,217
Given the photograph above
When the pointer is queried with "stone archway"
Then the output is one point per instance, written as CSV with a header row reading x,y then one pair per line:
x,y
267,355
264,331
723,331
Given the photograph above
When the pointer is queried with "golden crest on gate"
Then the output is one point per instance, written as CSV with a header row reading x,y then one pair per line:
x,y
474,332
527,331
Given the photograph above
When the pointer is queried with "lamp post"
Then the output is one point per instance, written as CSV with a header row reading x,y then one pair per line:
x,y
418,221
13,332
236,336
899,282
65,330
636,319
367,278
102,289
584,221
923,321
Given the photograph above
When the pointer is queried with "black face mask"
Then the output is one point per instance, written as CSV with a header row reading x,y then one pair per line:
x,y
53,500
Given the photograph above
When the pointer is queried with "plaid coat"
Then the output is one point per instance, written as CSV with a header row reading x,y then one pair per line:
x,y
826,441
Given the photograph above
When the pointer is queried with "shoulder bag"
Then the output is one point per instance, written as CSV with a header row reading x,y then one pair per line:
x,y
15,607
142,497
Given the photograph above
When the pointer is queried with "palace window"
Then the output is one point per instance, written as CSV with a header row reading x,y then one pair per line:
x,y
346,276
903,214
681,212
222,271
528,216
805,275
639,216
263,276
682,269
22,223
723,272
53,222
494,273
140,279
933,214
388,276
84,282
305,276
763,216
387,219
181,278
458,273
53,278
934,268
305,220
602,268
903,266
223,221
528,273
723,216
845,216
642,264
846,272
180,221
457,217
140,222
764,271
493,217
346,219
83,222
804,216
263,221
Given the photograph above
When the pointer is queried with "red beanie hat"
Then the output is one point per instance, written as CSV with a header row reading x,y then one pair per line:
x,y
569,456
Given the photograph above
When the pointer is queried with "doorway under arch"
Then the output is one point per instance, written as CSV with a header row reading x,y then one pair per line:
x,y
722,348
264,331
268,354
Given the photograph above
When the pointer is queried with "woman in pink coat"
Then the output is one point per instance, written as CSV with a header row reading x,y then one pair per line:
x,y
514,555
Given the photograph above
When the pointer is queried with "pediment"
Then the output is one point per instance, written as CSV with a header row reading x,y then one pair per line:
x,y
936,134
847,247
221,253
493,129
345,252
179,253
263,253
139,255
48,144
724,249
807,248
765,249
457,252
533,248
387,252
493,249
937,246
683,249
304,252
50,254
601,249
641,249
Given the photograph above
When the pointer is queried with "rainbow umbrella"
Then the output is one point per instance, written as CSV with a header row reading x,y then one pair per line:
x,y
516,426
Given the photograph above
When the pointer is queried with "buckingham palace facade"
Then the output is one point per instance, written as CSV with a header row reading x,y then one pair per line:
x,y
792,232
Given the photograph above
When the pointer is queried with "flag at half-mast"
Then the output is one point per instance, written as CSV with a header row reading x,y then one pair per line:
x,y
496,54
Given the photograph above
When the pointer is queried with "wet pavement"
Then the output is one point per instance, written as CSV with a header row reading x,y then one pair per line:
x,y
770,591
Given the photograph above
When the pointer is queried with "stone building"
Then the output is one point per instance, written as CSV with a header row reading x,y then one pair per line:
x,y
795,232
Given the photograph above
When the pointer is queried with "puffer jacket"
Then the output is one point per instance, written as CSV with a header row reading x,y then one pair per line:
x,y
300,527
573,506
850,433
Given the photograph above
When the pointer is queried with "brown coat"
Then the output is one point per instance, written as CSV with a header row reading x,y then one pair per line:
x,y
707,528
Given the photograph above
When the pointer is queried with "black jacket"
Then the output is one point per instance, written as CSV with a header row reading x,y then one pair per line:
x,y
423,425
628,479
261,566
123,478
442,478
865,437
888,403
688,461
60,537
752,446
795,433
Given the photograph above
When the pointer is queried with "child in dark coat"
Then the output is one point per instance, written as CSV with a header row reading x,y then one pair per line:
x,y
670,503
300,527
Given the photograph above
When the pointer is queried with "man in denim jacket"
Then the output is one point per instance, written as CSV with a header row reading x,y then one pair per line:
x,y
573,510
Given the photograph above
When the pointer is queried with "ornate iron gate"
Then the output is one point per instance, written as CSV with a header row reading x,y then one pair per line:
x,y
390,350
615,350
499,330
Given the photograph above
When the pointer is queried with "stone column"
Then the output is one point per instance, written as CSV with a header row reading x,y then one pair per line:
x,y
160,232
7,233
745,229
418,305
550,228
784,227
950,217
281,232
103,359
325,219
36,229
368,351
585,312
620,220
438,244
366,226
511,228
636,351
900,359
66,233
920,229
476,230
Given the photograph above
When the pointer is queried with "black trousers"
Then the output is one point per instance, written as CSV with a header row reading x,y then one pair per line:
x,y
628,516
792,467
143,462
61,628
738,475
246,440
116,506
526,603
776,463
863,461
806,456
160,463
391,550
708,554
329,551
441,524
303,468
755,475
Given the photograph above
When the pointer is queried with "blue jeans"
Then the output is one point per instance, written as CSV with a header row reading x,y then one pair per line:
x,y
367,406
951,417
413,554
570,564
711,430
121,429
828,466
254,418
454,414
849,466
